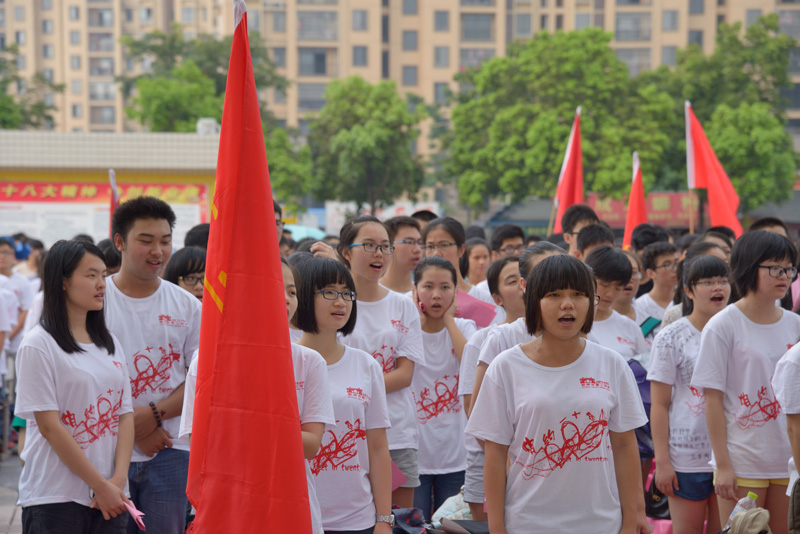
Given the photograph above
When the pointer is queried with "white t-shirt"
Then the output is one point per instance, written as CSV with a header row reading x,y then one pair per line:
x,y
440,413
21,287
481,291
503,338
672,361
35,313
556,422
467,373
90,390
341,467
620,334
387,329
738,357
10,310
785,383
159,335
672,314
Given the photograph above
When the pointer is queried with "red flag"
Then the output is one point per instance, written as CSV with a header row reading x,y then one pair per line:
x,y
704,171
246,470
112,180
570,180
637,209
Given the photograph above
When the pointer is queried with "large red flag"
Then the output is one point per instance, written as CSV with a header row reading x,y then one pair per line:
x,y
246,470
570,180
637,209
704,171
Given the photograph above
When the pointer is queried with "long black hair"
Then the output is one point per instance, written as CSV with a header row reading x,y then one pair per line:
x,y
62,260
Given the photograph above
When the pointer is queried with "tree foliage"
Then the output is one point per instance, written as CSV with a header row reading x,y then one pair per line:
x,y
289,168
361,143
26,109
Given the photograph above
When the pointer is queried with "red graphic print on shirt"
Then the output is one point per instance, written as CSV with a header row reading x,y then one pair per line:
x,y
385,357
576,444
399,326
357,393
443,399
336,452
593,383
299,386
623,341
150,376
757,414
98,419
166,320
698,405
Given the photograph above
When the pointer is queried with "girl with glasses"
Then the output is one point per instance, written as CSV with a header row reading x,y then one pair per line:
x,y
675,312
388,328
186,269
739,349
678,409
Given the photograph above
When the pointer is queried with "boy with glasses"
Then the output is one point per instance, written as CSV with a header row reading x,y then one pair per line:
x,y
575,218
407,241
660,262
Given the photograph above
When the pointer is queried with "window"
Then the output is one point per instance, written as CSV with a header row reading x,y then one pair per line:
x,y
313,62
473,57
47,4
101,90
696,37
279,22
487,3
22,86
695,7
789,23
279,55
559,22
19,37
49,100
476,27
599,20
384,28
409,75
669,55
101,66
77,111
634,2
101,18
311,96
76,86
75,62
75,13
543,22
103,115
48,51
441,56
2,18
187,15
582,20
523,28
559,3
793,99
2,41
633,27
359,20
47,27
409,40
440,91
409,7
75,37
129,64
543,3
253,23
720,19
19,14
751,17
637,59
669,20
794,61
359,56
47,74
280,96
317,26
441,21
145,15
128,15
101,42
385,64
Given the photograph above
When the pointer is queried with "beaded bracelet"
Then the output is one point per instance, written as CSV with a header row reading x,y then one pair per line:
x,y
157,414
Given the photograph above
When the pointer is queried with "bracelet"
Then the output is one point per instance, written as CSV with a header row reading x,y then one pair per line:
x,y
157,414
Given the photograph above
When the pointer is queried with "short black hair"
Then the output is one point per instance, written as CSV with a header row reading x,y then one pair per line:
x,y
127,213
754,248
503,232
593,235
652,251
555,273
463,261
277,208
609,264
541,248
35,244
449,225
718,235
533,238
431,262
697,268
493,273
61,262
315,274
197,236
685,241
475,231
349,232
401,221
424,215
575,214
184,262
646,234
305,244
768,222
112,256
84,237
724,230
7,241
698,249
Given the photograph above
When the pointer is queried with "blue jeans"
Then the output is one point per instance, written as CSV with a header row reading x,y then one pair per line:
x,y
433,490
158,488
69,518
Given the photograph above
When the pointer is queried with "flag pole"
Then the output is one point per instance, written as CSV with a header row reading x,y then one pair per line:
x,y
691,211
552,220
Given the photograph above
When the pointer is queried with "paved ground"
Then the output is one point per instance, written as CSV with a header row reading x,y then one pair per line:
x,y
10,514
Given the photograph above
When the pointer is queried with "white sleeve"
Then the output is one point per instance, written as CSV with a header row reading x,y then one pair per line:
x,y
189,391
785,383
663,364
468,328
34,314
491,419
411,342
26,299
377,411
36,382
317,403
192,342
491,347
5,323
711,368
469,365
628,413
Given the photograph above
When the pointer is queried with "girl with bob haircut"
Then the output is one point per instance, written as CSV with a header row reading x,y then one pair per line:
x,y
739,350
352,470
187,270
474,264
388,328
677,408
440,414
554,410
74,391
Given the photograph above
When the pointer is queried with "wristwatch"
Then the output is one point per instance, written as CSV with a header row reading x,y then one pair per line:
x,y
385,519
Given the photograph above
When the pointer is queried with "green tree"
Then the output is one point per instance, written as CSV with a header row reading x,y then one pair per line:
x,y
289,168
361,143
26,109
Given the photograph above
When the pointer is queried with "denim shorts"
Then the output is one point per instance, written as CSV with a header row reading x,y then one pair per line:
x,y
695,486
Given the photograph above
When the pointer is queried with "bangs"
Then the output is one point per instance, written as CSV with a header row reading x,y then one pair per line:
x,y
561,272
706,266
326,273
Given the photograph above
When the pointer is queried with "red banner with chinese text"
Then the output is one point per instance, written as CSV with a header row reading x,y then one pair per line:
x,y
92,192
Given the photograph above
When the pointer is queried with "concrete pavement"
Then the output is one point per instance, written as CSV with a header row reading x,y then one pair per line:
x,y
10,513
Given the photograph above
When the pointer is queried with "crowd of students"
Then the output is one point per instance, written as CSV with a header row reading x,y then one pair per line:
x,y
547,416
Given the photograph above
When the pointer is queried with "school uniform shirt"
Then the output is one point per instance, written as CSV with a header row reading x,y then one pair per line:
x,y
90,390
21,287
620,334
341,467
556,422
388,329
785,384
672,362
503,338
440,413
738,357
159,335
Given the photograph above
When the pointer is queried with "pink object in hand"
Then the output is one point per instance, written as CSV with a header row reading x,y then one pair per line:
x,y
136,515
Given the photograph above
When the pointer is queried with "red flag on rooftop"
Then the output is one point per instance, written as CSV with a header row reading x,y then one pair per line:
x,y
246,471
637,209
704,171
570,180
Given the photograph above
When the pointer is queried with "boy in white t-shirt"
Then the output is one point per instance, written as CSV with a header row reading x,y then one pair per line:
x,y
407,241
158,325
21,287
660,262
